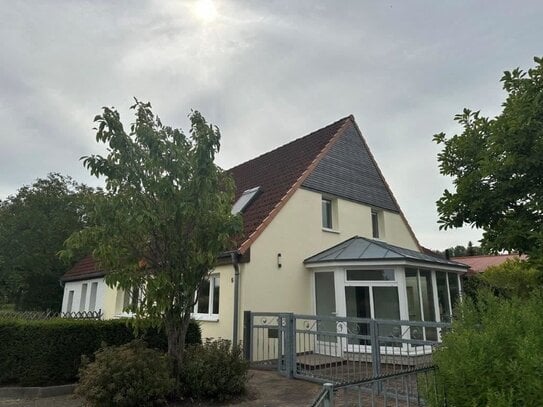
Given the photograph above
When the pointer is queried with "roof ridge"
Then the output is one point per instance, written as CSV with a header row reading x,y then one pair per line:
x,y
349,117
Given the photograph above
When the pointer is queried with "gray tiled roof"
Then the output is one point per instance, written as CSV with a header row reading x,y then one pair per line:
x,y
349,171
362,249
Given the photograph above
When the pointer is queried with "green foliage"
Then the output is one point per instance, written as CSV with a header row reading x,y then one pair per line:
x,y
48,352
214,370
33,226
496,166
127,375
165,216
513,278
492,356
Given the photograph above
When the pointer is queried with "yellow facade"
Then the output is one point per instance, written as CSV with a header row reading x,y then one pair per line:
x,y
296,233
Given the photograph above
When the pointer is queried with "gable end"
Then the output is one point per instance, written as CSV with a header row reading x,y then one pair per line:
x,y
349,171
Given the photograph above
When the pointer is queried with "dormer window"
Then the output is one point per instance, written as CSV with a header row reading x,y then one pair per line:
x,y
245,199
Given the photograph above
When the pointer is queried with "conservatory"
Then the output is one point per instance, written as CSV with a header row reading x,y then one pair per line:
x,y
371,279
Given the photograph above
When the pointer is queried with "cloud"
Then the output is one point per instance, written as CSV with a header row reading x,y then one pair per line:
x,y
265,72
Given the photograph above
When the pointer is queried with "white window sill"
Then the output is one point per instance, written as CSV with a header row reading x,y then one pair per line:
x,y
330,230
206,317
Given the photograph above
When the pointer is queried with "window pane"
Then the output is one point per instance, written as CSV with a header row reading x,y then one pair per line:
x,y
387,306
413,299
428,302
216,294
327,213
92,301
70,301
370,275
453,286
443,297
83,299
375,223
325,301
357,300
126,300
203,299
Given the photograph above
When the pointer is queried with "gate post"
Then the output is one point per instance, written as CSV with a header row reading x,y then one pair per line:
x,y
247,335
375,353
290,344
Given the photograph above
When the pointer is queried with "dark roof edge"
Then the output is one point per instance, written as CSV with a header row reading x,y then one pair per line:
x,y
406,259
87,276
350,199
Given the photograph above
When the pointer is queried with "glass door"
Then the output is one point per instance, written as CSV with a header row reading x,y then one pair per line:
x,y
371,302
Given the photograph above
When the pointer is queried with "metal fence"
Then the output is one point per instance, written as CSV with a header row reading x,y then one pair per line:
x,y
409,389
348,353
40,315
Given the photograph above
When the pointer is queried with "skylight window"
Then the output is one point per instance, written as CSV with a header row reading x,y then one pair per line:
x,y
244,200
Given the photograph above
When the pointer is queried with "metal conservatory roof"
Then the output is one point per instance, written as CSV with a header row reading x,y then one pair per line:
x,y
357,249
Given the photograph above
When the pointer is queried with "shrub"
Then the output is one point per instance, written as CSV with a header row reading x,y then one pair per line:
x,y
48,352
127,375
214,370
492,356
513,278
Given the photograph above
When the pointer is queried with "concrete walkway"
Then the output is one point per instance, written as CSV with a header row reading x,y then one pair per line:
x,y
266,389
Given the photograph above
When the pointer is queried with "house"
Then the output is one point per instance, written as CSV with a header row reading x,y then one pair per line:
x,y
323,234
478,264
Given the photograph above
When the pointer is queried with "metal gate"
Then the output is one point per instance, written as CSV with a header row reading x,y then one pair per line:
x,y
338,350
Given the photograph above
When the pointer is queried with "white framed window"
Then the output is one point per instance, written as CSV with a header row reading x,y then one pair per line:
x,y
83,299
70,304
124,300
92,300
375,224
329,214
327,221
207,306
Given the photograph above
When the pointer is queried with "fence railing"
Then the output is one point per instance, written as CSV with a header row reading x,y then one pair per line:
x,y
39,315
384,358
409,389
338,349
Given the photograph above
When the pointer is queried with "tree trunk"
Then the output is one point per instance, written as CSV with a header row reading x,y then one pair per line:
x,y
176,331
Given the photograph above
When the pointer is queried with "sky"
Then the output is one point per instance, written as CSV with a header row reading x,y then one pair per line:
x,y
265,72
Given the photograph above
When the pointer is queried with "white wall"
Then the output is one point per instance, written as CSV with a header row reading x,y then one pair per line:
x,y
77,286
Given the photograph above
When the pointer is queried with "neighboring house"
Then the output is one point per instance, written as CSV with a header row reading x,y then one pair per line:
x,y
478,264
323,234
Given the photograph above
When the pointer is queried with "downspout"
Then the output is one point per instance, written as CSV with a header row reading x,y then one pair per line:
x,y
234,257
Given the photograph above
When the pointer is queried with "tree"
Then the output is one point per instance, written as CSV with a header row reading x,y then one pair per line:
x,y
164,218
496,165
33,226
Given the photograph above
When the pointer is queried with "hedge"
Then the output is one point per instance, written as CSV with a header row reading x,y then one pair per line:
x,y
48,352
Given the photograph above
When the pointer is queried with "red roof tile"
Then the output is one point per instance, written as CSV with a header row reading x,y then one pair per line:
x,y
478,264
83,269
277,172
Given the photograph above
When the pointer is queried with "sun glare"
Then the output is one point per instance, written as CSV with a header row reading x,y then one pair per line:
x,y
205,10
